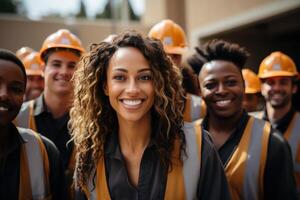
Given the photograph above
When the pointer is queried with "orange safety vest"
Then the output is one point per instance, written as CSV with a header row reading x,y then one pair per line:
x,y
194,109
182,181
292,135
34,167
245,169
26,119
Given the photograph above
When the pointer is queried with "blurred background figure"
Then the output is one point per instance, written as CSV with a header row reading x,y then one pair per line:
x,y
23,52
278,74
35,79
252,100
174,42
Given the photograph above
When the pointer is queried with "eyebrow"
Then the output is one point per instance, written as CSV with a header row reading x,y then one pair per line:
x,y
125,70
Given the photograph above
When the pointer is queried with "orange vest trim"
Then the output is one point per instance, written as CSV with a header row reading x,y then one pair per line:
x,y
175,187
25,186
25,190
237,168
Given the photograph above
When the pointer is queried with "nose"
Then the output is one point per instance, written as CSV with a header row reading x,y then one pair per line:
x,y
3,92
221,89
132,87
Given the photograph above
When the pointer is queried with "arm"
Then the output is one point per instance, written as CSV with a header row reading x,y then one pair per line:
x,y
213,182
279,180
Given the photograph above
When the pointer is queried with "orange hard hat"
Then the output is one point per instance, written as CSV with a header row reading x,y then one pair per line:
x,y
23,52
62,38
171,35
33,64
252,81
277,64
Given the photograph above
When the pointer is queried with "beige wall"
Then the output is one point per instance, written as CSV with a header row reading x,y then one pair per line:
x,y
17,32
203,12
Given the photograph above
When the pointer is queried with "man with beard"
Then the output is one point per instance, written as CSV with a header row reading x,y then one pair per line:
x,y
35,79
256,159
278,74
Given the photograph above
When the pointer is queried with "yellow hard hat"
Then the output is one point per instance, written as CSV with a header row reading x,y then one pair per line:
x,y
33,64
277,64
23,52
171,35
252,81
62,38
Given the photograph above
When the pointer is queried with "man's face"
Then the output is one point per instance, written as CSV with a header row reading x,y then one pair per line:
x,y
34,87
251,102
58,72
278,91
222,88
12,89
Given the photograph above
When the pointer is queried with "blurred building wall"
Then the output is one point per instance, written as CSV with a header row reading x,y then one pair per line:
x,y
17,32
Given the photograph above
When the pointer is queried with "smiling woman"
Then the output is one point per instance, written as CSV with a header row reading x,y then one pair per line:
x,y
127,125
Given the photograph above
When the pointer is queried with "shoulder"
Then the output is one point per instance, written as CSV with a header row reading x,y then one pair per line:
x,y
29,134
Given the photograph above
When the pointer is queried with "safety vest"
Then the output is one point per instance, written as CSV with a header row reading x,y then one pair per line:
x,y
182,181
245,169
26,119
34,167
292,135
194,109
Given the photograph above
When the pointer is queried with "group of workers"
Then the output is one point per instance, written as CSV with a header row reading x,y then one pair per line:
x,y
130,120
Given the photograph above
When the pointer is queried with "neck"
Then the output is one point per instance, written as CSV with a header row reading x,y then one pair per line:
x,y
58,105
223,125
134,136
275,114
4,137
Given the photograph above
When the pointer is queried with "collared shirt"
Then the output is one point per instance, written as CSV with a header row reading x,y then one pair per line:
x,y
10,168
282,124
153,175
54,129
279,181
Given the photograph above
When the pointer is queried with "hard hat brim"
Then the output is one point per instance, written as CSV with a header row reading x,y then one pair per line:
x,y
251,91
30,72
276,73
175,50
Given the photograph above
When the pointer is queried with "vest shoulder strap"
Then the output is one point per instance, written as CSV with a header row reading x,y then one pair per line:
x,y
25,117
34,167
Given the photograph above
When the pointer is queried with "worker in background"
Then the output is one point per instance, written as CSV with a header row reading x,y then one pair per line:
x,y
174,42
257,160
49,113
23,52
35,79
252,100
278,74
30,164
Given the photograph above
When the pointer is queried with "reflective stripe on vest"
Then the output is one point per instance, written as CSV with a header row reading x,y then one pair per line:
x,y
292,135
245,169
25,117
195,108
34,167
182,181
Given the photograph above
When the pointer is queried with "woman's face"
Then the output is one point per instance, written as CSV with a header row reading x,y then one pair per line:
x,y
129,85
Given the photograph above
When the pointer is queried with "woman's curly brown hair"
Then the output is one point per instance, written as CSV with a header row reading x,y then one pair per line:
x,y
93,118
